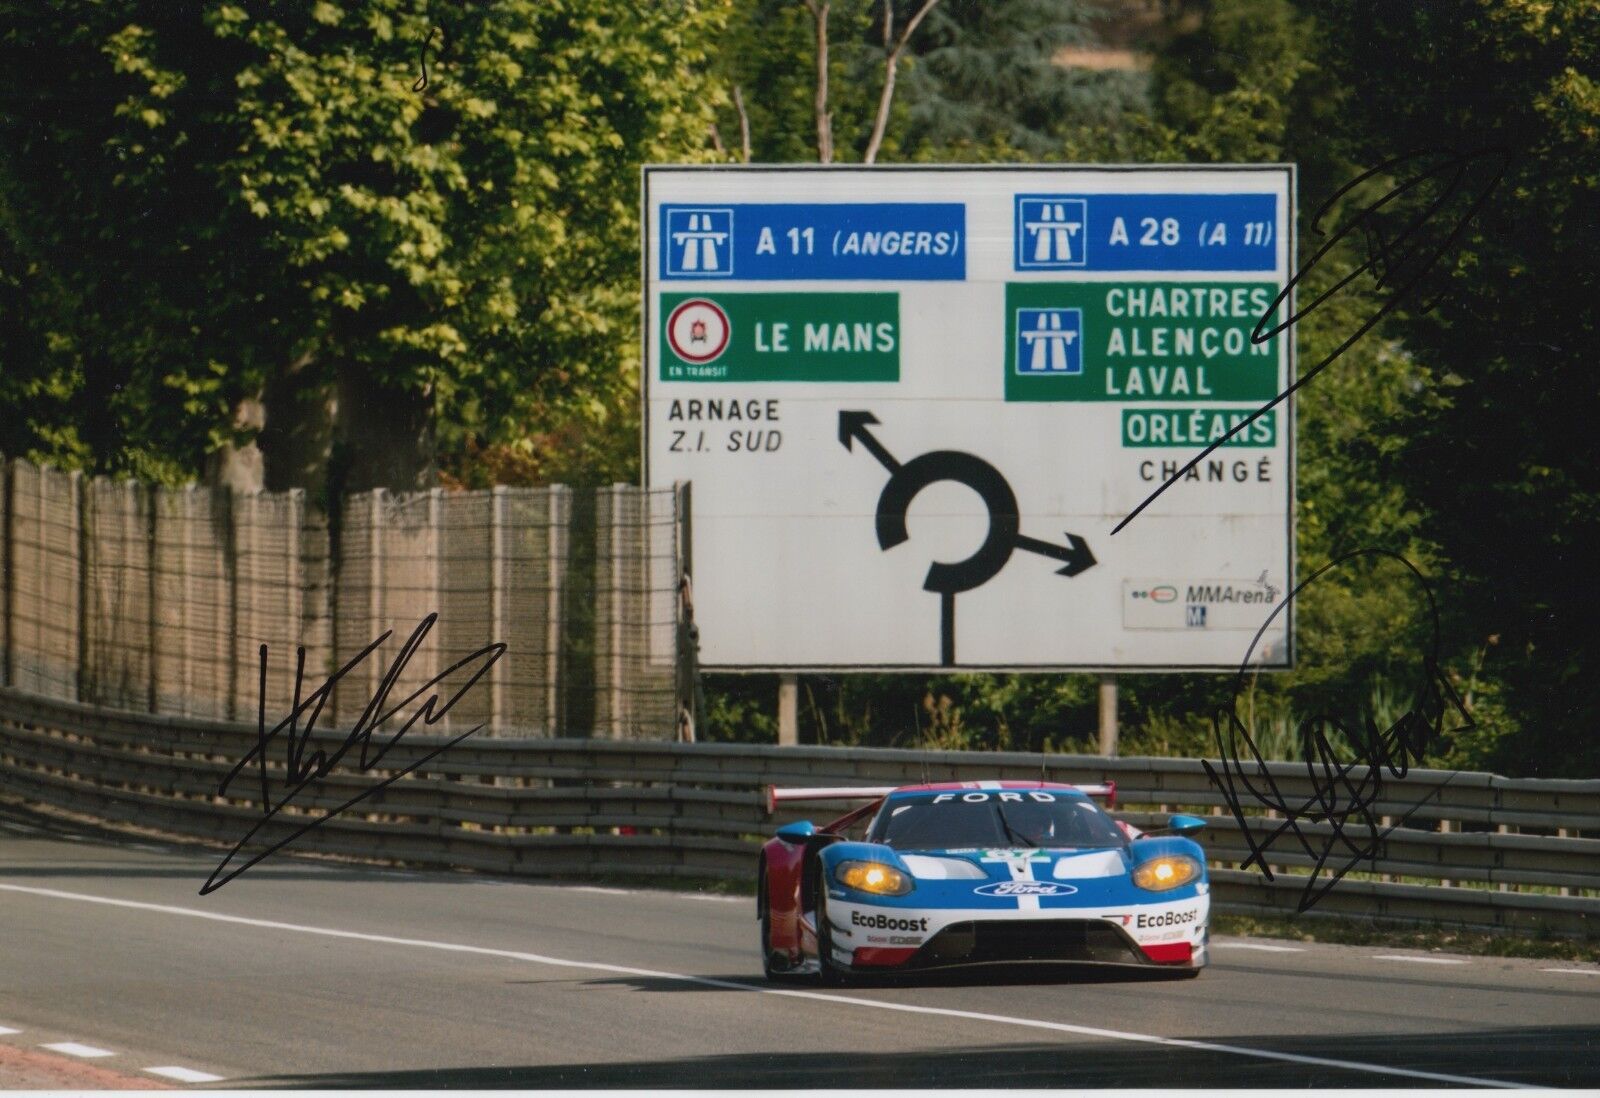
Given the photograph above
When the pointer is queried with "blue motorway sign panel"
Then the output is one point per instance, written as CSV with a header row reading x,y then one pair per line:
x,y
1146,232
771,242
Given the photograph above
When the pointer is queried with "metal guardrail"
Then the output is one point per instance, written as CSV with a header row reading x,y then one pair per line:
x,y
1519,855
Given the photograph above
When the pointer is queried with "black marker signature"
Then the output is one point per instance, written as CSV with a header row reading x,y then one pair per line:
x,y
1343,792
301,771
422,81
1399,261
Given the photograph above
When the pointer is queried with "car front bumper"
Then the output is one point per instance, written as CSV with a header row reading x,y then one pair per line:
x,y
1170,934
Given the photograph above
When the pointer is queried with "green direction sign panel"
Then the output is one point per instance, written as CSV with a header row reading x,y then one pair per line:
x,y
780,337
1138,341
1196,428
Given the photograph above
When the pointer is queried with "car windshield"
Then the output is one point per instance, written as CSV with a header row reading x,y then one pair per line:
x,y
999,818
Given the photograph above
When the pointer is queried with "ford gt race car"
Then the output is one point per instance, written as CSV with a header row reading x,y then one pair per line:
x,y
967,873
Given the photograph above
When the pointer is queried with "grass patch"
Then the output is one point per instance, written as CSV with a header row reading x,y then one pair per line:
x,y
1433,939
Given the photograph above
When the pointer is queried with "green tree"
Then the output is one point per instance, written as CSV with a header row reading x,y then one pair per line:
x,y
989,79
221,204
1499,445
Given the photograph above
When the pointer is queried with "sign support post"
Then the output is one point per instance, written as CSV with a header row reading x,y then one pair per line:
x,y
788,710
1108,716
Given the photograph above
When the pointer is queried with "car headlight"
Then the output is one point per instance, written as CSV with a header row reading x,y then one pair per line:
x,y
885,880
1167,871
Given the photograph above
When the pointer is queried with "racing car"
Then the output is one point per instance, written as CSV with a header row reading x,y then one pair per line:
x,y
971,873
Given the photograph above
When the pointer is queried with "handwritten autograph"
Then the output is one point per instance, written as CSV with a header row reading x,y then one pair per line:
x,y
1343,792
1399,259
422,81
301,771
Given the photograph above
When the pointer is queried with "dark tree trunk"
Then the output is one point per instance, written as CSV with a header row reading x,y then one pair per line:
x,y
297,441
385,436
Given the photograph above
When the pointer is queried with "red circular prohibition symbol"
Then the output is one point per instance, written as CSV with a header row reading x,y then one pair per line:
x,y
713,347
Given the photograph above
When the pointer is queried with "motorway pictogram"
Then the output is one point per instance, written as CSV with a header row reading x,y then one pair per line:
x,y
948,579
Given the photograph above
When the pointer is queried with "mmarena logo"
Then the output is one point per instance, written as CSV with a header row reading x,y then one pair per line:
x,y
883,922
1025,888
1168,918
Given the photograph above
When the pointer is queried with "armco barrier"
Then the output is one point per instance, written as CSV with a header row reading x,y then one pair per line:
x,y
1482,851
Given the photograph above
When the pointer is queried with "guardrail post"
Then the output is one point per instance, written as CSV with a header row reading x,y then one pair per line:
x,y
1444,829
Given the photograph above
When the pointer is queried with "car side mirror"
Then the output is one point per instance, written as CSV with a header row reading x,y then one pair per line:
x,y
797,832
1185,825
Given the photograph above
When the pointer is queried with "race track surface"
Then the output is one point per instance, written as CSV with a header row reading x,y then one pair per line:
x,y
305,974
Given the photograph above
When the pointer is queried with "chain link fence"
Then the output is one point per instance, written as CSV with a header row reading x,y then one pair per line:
x,y
159,600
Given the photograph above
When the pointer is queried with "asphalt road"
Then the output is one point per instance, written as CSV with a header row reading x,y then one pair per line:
x,y
309,975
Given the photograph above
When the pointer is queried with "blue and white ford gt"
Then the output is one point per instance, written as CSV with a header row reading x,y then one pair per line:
x,y
967,873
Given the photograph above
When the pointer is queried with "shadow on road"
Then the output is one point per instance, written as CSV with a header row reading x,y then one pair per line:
x,y
1031,974
1548,1056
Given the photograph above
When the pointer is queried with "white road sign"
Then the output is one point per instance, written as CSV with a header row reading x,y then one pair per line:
x,y
913,404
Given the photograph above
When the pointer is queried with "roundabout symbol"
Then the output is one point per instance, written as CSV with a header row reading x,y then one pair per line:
x,y
948,579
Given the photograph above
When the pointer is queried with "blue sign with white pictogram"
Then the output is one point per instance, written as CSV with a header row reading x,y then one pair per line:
x,y
1145,232
1050,342
1050,232
815,242
698,242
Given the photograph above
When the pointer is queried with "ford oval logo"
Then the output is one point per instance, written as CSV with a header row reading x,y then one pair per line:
x,y
1025,888
1164,593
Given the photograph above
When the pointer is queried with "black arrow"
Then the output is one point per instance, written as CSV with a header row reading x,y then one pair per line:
x,y
1075,553
853,425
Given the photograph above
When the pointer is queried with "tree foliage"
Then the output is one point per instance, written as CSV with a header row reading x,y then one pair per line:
x,y
209,206
208,198
1498,450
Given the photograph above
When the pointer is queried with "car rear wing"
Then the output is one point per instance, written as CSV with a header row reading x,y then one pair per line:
x,y
827,793
775,796
1106,789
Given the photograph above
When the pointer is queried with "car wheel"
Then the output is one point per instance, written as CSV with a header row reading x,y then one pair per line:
x,y
827,970
769,956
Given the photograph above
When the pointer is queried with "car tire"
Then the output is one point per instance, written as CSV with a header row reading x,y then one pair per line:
x,y
769,956
828,972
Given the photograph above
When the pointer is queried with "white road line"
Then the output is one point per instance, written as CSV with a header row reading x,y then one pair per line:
x,y
72,1048
788,993
603,891
1420,960
185,1075
1575,971
712,899
7,1030
1255,945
